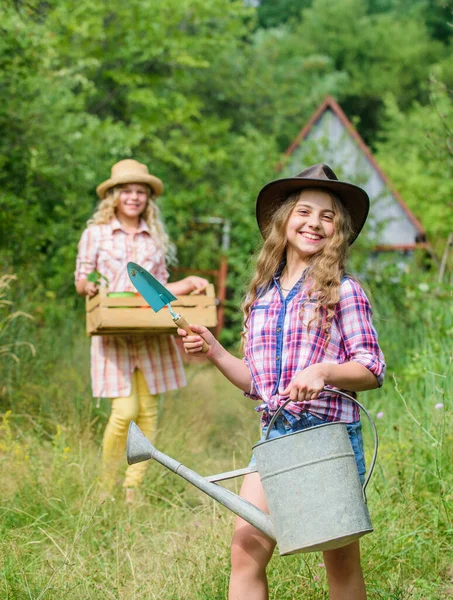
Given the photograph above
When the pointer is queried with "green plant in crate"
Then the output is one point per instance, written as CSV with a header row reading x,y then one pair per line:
x,y
97,278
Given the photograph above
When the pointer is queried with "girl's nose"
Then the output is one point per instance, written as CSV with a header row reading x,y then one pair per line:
x,y
313,221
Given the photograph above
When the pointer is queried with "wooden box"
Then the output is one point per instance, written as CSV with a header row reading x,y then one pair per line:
x,y
133,315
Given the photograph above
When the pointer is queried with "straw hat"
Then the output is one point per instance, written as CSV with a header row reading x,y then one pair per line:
x,y
130,171
354,199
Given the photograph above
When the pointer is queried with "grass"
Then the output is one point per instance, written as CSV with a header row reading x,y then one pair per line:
x,y
59,541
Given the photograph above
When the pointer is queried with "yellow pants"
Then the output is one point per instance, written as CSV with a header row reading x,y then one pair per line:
x,y
140,407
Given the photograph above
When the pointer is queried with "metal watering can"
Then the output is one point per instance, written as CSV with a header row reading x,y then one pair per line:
x,y
315,498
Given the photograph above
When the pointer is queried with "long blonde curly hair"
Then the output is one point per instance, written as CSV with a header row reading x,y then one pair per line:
x,y
326,267
106,211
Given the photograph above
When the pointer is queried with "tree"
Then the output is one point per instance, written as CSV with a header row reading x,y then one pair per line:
x,y
380,53
416,151
272,13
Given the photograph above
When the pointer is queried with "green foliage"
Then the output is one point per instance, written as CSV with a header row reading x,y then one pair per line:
x,y
423,137
272,13
435,13
405,300
380,53
51,150
208,98
377,47
279,84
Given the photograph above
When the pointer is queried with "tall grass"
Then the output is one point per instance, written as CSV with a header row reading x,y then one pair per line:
x,y
9,346
59,540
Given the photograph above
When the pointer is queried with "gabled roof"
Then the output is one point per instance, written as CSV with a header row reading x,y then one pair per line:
x,y
413,227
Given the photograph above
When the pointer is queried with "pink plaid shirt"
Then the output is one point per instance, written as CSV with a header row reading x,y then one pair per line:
x,y
278,346
108,249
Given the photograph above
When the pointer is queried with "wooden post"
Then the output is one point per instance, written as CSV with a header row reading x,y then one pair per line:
x,y
221,293
443,264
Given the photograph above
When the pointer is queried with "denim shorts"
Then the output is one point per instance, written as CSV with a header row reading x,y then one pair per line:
x,y
286,423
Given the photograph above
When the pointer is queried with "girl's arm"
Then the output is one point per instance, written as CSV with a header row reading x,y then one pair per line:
x,y
86,263
234,369
187,285
365,368
309,383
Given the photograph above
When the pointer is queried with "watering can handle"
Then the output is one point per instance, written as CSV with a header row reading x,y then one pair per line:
x,y
339,393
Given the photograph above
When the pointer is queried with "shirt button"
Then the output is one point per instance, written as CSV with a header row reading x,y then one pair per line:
x,y
279,329
278,358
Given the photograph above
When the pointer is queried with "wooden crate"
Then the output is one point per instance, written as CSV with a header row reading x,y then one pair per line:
x,y
133,315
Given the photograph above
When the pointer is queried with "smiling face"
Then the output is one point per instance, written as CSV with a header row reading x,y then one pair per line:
x,y
132,200
310,224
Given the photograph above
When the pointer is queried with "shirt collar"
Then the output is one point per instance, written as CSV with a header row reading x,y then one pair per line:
x,y
279,271
142,227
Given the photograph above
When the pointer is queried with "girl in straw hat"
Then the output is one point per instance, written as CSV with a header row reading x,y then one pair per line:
x,y
132,370
307,325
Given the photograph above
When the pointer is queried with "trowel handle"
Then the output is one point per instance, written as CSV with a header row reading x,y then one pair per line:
x,y
183,324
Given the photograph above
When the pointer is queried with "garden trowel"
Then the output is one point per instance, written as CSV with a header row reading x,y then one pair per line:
x,y
157,296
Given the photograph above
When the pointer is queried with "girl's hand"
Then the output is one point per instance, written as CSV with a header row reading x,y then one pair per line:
x,y
91,289
307,384
193,284
193,343
187,285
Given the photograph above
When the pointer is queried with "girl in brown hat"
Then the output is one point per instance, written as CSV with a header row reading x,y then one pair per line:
x,y
131,370
307,325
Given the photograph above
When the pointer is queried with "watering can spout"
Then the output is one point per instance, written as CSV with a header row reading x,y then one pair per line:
x,y
139,448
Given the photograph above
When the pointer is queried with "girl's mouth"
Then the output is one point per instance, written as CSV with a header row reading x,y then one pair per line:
x,y
311,236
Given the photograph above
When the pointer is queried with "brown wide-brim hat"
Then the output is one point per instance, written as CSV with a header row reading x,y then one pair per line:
x,y
130,171
274,194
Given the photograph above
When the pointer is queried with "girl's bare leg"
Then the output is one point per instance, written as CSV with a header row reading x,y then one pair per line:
x,y
251,550
344,573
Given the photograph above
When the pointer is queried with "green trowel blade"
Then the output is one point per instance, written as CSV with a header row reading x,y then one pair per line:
x,y
152,290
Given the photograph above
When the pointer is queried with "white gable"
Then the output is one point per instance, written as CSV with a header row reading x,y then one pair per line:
x,y
329,141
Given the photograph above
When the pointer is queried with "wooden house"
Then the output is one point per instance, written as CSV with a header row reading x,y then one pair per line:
x,y
330,137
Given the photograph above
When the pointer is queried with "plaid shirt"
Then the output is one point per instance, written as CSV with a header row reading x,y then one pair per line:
x,y
278,346
108,248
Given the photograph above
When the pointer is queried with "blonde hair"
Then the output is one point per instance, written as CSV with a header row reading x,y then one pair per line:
x,y
326,267
106,211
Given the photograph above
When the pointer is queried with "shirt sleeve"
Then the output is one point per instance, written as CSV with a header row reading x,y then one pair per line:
x,y
252,393
360,339
86,255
